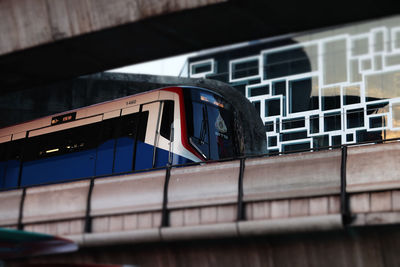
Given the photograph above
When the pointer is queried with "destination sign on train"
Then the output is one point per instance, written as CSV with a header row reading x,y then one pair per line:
x,y
63,118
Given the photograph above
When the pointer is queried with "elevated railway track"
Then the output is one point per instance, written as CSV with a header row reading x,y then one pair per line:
x,y
294,193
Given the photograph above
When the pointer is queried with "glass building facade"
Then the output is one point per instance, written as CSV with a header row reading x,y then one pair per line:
x,y
317,89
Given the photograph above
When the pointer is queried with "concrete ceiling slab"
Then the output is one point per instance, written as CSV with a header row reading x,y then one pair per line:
x,y
166,34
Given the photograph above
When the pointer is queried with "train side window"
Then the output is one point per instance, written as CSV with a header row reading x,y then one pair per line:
x,y
63,142
129,125
143,151
167,119
106,145
128,129
59,156
144,117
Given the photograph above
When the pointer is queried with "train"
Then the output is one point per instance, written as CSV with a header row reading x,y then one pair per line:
x,y
168,126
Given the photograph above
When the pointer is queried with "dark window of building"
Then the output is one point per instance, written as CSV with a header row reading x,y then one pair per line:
x,y
285,63
277,125
272,141
330,98
314,124
260,90
245,69
376,122
355,118
293,136
272,107
332,122
279,88
296,147
321,141
336,140
293,123
364,136
351,95
349,137
301,97
269,126
201,67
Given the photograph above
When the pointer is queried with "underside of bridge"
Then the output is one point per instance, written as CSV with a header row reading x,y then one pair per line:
x,y
372,246
61,58
160,30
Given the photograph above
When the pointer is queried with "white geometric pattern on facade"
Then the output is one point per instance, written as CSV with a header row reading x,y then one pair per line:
x,y
358,66
203,63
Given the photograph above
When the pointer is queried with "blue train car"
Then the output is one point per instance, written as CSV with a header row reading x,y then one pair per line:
x,y
173,125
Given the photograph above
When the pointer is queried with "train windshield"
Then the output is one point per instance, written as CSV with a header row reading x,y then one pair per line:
x,y
210,125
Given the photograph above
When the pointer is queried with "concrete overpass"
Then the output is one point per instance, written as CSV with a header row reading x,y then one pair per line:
x,y
42,41
332,207
337,207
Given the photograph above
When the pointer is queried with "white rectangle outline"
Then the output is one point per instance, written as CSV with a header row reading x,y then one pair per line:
x,y
202,74
244,59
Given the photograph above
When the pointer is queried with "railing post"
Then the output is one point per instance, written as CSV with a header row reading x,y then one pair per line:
x,y
20,226
164,212
344,197
240,205
88,219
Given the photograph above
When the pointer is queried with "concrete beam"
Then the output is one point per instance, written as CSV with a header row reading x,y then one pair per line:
x,y
43,41
28,23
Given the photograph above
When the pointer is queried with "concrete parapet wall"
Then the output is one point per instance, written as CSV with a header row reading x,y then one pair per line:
x,y
291,176
9,207
373,167
140,192
203,185
297,192
55,202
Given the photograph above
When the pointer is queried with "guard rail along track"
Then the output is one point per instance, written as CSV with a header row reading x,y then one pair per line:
x,y
307,191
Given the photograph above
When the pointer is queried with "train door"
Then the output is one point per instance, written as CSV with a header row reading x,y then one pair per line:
x,y
164,136
128,128
155,151
145,155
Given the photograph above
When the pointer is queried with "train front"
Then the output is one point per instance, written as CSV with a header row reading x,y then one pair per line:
x,y
209,124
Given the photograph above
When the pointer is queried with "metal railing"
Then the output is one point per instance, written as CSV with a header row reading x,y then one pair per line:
x,y
344,195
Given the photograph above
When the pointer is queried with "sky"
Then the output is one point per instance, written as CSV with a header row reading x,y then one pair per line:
x,y
171,66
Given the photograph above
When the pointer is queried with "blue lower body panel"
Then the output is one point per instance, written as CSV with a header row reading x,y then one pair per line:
x,y
9,173
144,156
59,168
124,154
94,162
105,158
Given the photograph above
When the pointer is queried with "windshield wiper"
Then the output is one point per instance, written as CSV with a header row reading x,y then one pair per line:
x,y
204,127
